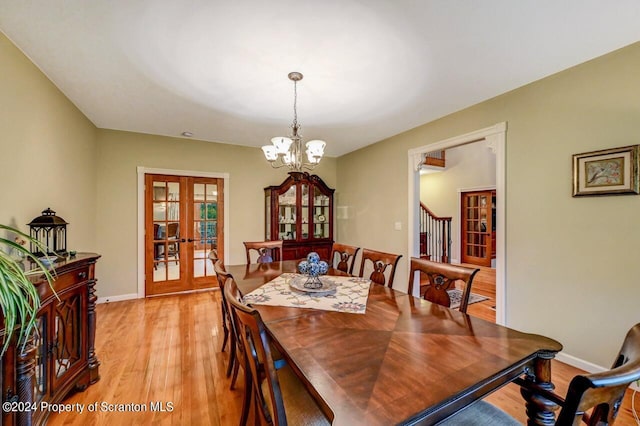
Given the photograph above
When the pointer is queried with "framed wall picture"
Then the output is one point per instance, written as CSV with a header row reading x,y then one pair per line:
x,y
607,172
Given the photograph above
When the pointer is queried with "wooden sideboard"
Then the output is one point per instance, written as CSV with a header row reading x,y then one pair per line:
x,y
61,358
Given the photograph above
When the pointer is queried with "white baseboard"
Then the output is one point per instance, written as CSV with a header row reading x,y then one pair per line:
x,y
118,298
589,367
121,297
586,366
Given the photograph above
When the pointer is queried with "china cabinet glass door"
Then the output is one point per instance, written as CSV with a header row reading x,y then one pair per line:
x,y
320,214
304,219
287,214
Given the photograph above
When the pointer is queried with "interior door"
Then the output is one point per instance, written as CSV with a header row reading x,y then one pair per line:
x,y
478,227
206,237
183,229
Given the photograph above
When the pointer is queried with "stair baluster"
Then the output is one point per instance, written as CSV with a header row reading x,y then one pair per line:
x,y
435,236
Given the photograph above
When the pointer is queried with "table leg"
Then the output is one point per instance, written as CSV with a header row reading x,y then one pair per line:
x,y
540,411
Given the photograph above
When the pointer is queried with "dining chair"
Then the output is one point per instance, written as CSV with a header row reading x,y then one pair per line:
x,y
601,391
441,277
231,291
346,257
380,261
222,275
213,255
278,395
268,251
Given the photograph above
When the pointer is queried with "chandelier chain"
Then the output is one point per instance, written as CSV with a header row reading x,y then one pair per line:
x,y
295,104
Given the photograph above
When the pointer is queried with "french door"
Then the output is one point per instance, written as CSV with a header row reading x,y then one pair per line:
x,y
478,227
184,222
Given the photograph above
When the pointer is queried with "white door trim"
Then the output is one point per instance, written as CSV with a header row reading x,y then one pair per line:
x,y
140,230
496,137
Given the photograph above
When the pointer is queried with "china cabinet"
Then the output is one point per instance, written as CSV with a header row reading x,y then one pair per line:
x,y
60,358
300,212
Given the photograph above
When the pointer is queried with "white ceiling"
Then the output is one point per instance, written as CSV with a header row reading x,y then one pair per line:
x,y
373,68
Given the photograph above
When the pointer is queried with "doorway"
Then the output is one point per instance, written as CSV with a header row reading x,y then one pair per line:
x,y
496,139
184,232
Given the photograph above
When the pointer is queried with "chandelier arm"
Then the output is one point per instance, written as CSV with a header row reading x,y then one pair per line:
x,y
309,166
273,164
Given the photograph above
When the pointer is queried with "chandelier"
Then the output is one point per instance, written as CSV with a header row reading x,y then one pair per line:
x,y
288,151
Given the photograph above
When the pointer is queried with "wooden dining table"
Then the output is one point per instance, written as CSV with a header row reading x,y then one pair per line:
x,y
405,360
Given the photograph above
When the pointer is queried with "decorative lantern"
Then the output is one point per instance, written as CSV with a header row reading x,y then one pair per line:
x,y
51,231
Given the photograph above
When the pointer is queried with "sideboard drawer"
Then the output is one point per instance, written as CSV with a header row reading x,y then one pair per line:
x,y
70,278
64,280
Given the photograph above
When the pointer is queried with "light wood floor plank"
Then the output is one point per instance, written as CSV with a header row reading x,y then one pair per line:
x,y
167,349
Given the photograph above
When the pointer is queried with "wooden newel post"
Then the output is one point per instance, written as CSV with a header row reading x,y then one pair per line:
x,y
540,411
25,373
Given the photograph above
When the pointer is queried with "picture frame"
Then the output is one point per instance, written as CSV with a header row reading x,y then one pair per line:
x,y
606,172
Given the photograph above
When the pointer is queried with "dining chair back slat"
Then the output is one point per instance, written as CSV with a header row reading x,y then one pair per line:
x,y
379,262
345,256
267,251
440,278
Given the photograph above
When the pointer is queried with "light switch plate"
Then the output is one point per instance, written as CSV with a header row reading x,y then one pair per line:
x,y
398,226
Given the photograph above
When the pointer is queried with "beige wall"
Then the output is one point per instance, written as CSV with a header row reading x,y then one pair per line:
x,y
47,152
571,263
53,156
119,155
468,167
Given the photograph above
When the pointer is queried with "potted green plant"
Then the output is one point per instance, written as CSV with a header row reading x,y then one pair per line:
x,y
19,298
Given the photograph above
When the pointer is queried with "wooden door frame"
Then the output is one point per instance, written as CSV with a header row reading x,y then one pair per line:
x,y
457,254
142,171
496,137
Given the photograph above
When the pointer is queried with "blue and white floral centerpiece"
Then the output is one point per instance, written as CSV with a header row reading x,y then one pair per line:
x,y
313,267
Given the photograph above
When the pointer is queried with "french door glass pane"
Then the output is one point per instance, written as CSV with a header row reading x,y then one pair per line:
x,y
159,210
198,192
174,191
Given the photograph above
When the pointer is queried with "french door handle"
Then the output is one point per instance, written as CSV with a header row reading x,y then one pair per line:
x,y
182,240
190,240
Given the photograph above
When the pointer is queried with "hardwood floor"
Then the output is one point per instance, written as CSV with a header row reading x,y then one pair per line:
x,y
162,349
484,284
167,349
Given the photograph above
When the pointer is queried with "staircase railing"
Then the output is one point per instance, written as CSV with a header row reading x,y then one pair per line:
x,y
435,236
